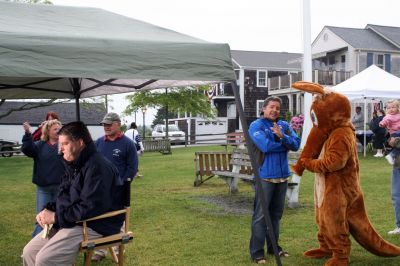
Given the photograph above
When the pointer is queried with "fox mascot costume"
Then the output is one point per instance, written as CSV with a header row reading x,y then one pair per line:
x,y
331,153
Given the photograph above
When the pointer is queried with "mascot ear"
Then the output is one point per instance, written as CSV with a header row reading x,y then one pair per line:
x,y
309,87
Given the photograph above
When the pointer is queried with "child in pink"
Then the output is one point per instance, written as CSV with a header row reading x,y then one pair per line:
x,y
391,122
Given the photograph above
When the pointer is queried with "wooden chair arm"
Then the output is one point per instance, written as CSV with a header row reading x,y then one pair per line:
x,y
104,215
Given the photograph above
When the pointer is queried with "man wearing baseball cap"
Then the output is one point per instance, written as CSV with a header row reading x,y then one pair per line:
x,y
119,150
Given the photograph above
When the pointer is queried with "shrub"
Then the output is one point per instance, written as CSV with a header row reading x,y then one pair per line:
x,y
297,124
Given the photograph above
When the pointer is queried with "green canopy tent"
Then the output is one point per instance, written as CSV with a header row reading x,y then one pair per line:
x,y
64,52
57,52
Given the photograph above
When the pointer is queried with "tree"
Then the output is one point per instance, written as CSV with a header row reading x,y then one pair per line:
x,y
159,118
183,100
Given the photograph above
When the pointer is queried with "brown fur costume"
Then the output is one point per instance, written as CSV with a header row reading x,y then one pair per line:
x,y
331,153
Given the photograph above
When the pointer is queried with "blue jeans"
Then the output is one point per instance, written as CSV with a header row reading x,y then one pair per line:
x,y
275,198
396,193
44,195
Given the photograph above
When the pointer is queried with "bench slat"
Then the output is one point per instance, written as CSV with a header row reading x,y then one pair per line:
x,y
231,174
240,162
207,163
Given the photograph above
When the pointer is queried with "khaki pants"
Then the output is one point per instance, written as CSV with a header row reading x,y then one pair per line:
x,y
61,249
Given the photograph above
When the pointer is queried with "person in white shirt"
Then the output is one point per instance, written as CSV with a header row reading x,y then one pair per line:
x,y
358,119
134,135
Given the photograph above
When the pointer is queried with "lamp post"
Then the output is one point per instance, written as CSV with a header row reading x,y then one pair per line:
x,y
144,109
135,114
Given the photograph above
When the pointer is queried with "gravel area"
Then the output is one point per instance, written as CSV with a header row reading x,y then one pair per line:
x,y
230,204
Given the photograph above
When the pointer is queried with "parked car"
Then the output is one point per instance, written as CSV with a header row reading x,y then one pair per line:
x,y
176,135
8,147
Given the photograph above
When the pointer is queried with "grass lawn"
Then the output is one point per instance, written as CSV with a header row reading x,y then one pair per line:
x,y
177,224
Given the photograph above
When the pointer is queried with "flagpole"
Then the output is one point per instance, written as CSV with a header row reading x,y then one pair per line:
x,y
307,69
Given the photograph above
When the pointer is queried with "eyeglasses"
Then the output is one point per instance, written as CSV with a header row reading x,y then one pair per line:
x,y
106,125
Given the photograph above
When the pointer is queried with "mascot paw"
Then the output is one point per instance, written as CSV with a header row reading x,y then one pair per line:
x,y
337,262
298,169
305,162
317,253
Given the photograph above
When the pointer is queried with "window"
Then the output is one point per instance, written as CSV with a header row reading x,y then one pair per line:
x,y
261,78
259,105
231,112
380,61
331,62
343,62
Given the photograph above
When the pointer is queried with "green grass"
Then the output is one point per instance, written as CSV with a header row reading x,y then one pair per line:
x,y
174,224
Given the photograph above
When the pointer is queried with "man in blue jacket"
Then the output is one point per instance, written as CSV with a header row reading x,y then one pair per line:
x,y
88,188
119,150
274,138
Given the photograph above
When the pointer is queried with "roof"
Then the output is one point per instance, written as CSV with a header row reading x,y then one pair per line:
x,y
91,113
50,51
363,38
390,33
271,60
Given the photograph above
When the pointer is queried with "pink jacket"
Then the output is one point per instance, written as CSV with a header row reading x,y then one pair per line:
x,y
391,123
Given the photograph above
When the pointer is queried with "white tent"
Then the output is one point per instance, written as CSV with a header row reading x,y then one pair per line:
x,y
371,83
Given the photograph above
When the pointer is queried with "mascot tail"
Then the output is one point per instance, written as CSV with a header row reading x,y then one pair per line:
x,y
363,232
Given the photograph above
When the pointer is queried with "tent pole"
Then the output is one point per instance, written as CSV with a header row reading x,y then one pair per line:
x,y
76,91
254,164
77,109
166,116
365,126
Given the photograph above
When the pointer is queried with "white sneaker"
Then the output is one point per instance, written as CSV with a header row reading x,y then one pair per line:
x,y
389,158
395,231
378,155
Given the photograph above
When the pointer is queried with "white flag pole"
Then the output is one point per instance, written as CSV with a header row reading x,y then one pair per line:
x,y
293,195
307,69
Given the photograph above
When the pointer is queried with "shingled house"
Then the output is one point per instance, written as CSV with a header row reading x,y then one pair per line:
x,y
339,53
253,69
11,125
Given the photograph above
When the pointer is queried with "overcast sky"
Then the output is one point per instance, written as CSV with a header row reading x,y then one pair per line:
x,y
253,25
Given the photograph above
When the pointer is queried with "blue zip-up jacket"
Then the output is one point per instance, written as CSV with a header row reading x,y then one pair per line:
x,y
275,163
48,167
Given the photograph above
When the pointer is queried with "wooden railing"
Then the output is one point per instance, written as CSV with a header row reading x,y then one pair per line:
x,y
323,77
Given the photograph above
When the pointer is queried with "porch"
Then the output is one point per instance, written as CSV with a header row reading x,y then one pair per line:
x,y
282,84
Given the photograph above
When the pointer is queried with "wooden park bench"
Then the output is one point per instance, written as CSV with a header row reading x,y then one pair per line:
x,y
240,165
161,145
232,167
206,162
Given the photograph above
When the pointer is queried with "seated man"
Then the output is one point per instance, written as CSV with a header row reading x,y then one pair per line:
x,y
88,188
